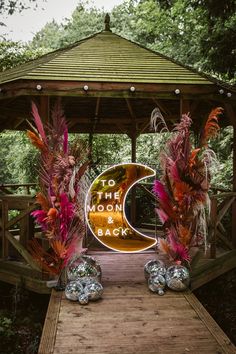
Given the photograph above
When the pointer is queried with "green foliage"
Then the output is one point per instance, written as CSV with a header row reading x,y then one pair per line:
x,y
85,21
18,158
16,53
6,329
197,33
222,171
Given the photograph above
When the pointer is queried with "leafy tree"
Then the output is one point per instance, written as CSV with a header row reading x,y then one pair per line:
x,y
18,158
10,6
83,23
49,37
15,53
194,32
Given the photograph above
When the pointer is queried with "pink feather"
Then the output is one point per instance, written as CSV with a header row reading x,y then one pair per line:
x,y
66,215
41,218
181,252
160,191
162,215
38,122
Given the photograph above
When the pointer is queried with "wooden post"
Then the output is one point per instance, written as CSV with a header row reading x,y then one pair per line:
x,y
133,147
133,191
232,117
90,142
213,226
184,106
44,109
5,242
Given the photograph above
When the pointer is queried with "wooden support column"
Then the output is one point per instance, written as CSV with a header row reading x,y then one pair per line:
x,y
213,227
90,142
4,221
133,147
232,116
44,109
133,191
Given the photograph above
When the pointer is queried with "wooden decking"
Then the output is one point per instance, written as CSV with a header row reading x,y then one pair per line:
x,y
129,319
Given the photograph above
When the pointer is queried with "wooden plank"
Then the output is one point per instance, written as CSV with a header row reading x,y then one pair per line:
x,y
224,342
19,217
131,319
50,326
212,269
213,226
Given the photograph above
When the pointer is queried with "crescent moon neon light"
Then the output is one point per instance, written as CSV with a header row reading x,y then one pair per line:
x,y
105,208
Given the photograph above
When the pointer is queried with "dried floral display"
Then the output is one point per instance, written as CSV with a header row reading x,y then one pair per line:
x,y
63,185
182,191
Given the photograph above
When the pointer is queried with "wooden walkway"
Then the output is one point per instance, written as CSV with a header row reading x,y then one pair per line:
x,y
129,319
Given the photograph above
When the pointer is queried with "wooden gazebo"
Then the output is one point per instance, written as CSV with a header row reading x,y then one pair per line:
x,y
107,84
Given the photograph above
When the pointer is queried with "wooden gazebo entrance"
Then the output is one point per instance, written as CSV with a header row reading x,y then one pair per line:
x,y
107,84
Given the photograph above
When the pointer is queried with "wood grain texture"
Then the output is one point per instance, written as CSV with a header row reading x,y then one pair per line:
x,y
129,319
50,325
105,57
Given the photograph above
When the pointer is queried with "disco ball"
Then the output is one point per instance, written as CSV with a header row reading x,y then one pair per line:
x,y
154,267
177,277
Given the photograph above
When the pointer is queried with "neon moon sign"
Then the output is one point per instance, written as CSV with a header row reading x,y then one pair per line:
x,y
105,208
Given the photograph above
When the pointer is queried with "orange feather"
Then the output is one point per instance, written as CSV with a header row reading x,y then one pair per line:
x,y
42,200
212,128
181,189
35,140
59,248
184,235
164,246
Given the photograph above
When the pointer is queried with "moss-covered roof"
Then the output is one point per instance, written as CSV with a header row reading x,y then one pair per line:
x,y
105,57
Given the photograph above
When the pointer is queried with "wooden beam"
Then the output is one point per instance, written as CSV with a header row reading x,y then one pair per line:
x,y
162,107
97,107
4,221
130,108
31,283
212,269
133,146
213,226
184,106
22,214
133,191
23,252
50,326
226,345
230,114
75,88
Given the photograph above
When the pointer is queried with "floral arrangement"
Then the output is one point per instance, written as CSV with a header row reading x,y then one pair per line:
x,y
63,183
182,192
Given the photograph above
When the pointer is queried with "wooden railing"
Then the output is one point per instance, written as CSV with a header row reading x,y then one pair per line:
x,y
220,206
16,231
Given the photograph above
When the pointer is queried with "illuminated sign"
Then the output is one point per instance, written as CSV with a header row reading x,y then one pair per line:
x,y
105,208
